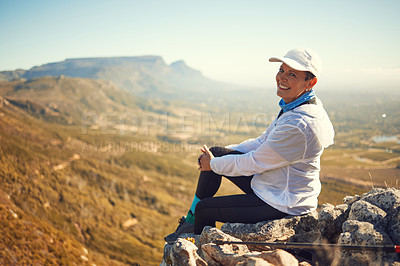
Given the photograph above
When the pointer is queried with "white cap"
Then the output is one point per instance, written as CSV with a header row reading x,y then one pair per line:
x,y
301,59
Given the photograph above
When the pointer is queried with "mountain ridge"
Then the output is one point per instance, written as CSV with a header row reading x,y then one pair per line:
x,y
146,76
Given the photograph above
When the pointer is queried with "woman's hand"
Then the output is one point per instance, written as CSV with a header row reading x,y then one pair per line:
x,y
204,159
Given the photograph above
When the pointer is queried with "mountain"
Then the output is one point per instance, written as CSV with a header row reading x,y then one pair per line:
x,y
150,79
147,76
70,97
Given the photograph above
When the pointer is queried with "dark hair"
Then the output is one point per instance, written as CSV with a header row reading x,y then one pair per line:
x,y
309,75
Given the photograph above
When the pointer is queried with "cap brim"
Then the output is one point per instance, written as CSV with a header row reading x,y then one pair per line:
x,y
290,62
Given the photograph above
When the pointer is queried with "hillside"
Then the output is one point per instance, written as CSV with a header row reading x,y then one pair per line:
x,y
91,172
65,100
74,187
65,187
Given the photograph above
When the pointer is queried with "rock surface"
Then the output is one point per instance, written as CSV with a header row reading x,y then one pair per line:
x,y
370,219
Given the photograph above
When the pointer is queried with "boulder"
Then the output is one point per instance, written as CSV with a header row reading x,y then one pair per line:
x,y
370,219
366,212
330,220
364,233
386,199
279,257
296,228
183,252
394,225
223,254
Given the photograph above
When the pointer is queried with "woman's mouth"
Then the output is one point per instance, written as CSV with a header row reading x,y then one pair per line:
x,y
283,87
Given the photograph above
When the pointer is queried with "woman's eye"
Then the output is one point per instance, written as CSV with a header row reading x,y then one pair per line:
x,y
292,74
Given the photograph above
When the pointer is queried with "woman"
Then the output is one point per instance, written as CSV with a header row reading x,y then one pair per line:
x,y
279,170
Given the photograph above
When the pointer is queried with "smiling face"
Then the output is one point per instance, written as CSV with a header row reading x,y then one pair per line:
x,y
291,83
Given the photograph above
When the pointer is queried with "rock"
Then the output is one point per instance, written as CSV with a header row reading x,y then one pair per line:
x,y
171,249
351,199
294,228
394,225
227,256
209,260
129,223
304,263
279,257
167,255
366,212
14,214
364,233
386,199
223,254
274,257
370,219
254,262
184,253
330,221
211,234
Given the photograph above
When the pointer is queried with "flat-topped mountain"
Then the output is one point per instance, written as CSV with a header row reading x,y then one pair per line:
x,y
147,76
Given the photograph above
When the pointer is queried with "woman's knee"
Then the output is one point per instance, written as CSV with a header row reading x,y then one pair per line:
x,y
205,215
217,151
204,205
221,151
199,206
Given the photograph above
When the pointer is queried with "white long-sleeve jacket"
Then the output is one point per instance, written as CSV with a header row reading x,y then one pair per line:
x,y
285,159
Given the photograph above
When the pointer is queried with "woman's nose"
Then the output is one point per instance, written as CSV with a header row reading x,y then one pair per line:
x,y
283,76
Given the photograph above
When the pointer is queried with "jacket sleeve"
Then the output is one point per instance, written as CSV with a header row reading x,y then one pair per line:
x,y
250,144
286,145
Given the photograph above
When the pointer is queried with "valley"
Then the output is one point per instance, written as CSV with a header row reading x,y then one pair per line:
x,y
95,173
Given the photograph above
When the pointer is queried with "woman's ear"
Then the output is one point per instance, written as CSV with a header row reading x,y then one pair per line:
x,y
312,83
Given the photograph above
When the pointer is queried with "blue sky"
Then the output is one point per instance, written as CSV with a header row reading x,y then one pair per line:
x,y
230,41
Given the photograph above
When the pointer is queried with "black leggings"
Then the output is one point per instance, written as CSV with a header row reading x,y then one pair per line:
x,y
242,208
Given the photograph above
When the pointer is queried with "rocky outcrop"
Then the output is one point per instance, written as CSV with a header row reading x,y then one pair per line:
x,y
370,219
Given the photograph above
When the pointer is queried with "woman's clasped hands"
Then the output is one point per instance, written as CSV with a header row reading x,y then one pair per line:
x,y
204,159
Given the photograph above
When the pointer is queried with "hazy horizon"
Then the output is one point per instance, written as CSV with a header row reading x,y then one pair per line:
x,y
228,41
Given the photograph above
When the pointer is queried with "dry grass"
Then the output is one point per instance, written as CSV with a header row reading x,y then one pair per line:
x,y
86,202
